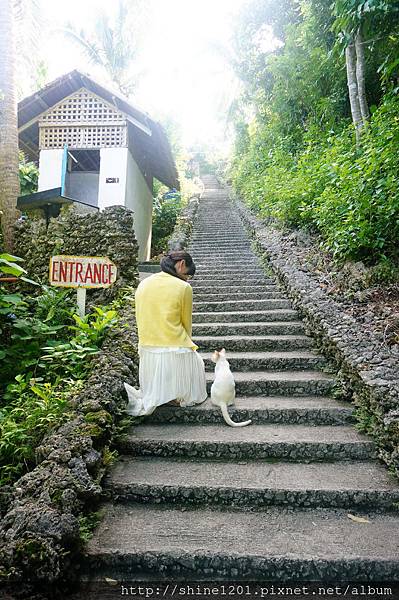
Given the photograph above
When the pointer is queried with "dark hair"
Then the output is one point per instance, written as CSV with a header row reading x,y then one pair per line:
x,y
168,262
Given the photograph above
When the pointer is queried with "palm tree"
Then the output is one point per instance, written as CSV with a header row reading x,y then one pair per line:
x,y
113,46
19,39
9,180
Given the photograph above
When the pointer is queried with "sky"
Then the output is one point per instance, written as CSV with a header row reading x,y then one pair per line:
x,y
185,78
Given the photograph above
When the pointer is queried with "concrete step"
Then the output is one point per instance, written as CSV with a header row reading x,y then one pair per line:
x,y
226,278
214,214
214,244
226,289
250,343
245,248
252,361
232,278
234,223
218,257
215,265
147,267
215,271
205,238
254,295
281,383
278,544
288,410
226,305
214,236
279,314
225,258
208,275
222,251
300,443
233,286
222,236
248,483
261,328
234,266
229,267
202,228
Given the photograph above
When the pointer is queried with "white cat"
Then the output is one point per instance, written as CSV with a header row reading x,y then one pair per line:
x,y
223,390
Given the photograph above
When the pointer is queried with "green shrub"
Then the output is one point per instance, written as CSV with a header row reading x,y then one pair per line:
x,y
22,331
165,213
358,212
28,175
349,194
45,355
34,408
72,357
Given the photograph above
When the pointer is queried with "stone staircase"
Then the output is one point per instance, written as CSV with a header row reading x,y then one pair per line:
x,y
192,498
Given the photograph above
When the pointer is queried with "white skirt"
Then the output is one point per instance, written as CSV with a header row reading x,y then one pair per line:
x,y
167,374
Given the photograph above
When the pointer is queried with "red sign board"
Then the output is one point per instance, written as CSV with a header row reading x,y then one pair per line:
x,y
82,271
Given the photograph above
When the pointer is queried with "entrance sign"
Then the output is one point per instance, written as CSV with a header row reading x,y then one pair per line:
x,y
82,272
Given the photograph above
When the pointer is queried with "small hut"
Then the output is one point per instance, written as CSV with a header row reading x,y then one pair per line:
x,y
95,149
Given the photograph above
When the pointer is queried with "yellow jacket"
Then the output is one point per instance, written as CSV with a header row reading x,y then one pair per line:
x,y
164,307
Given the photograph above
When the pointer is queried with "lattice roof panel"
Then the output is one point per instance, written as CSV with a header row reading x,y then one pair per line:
x,y
83,137
83,108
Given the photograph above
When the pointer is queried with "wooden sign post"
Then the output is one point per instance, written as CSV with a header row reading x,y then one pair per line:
x,y
82,272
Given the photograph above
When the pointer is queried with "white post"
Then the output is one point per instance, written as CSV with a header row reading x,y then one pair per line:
x,y
81,301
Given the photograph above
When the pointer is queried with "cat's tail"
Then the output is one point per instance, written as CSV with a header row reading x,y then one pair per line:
x,y
228,420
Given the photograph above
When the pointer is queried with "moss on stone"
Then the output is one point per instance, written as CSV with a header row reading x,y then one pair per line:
x,y
101,417
106,233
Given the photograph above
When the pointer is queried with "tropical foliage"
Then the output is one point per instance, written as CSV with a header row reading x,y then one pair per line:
x,y
28,176
167,207
168,204
45,356
296,158
113,45
21,67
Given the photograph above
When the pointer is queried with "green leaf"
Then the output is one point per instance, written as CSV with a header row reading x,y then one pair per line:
x,y
11,258
12,270
11,298
29,281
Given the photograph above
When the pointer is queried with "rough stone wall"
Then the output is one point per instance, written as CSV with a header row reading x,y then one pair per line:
x,y
39,528
39,525
106,233
368,372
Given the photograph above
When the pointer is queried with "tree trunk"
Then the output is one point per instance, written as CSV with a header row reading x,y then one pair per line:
x,y
360,76
9,176
350,56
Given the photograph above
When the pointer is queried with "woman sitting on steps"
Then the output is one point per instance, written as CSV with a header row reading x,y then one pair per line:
x,y
170,371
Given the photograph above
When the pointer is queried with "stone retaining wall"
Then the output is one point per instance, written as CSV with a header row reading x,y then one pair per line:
x,y
368,370
106,233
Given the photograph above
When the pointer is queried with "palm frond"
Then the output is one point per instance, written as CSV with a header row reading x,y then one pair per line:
x,y
89,47
30,30
113,43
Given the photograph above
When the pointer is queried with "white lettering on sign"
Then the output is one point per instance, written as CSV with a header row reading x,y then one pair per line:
x,y
82,271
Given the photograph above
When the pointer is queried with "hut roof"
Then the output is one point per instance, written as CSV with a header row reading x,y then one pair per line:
x,y
150,144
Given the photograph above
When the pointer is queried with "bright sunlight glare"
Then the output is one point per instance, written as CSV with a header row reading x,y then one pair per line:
x,y
184,60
